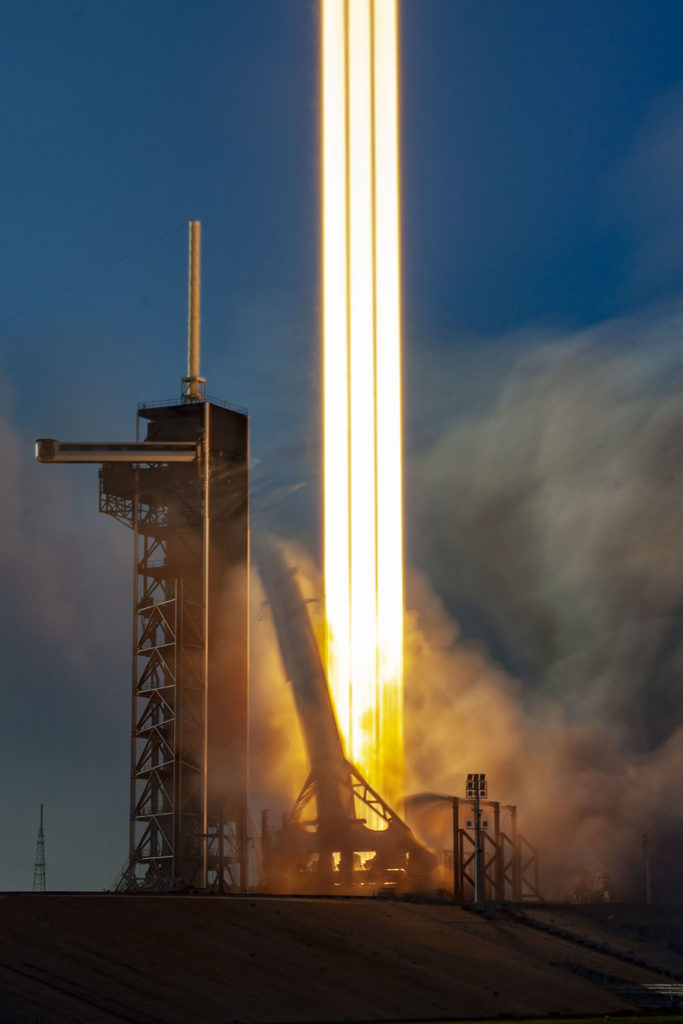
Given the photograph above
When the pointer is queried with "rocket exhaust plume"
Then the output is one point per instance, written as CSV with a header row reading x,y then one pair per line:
x,y
362,403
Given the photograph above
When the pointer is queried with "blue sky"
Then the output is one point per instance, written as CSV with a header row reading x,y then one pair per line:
x,y
542,151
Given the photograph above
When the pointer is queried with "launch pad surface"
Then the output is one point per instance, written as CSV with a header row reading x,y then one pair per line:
x,y
171,958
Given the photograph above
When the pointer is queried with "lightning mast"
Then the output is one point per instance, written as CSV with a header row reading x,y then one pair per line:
x,y
39,868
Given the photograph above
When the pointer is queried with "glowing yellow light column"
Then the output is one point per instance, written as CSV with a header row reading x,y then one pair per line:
x,y
388,408
362,736
362,418
335,356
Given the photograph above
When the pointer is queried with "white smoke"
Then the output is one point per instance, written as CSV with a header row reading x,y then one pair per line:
x,y
550,517
65,636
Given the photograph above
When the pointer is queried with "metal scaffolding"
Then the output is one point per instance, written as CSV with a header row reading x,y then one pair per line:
x,y
188,768
510,862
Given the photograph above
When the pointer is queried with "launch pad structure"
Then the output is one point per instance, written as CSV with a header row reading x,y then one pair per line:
x,y
189,748
510,869
325,844
182,487
183,490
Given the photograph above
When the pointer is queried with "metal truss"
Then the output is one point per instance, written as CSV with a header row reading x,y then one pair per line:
x,y
511,868
116,507
224,856
369,798
168,843
358,789
529,869
189,723
130,510
168,729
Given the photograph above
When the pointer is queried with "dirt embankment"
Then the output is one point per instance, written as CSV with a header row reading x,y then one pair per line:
x,y
184,959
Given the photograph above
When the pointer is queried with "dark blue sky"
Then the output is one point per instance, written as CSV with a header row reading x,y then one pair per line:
x,y
542,161
520,121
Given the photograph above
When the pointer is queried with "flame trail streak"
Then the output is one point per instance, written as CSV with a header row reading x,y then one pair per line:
x,y
362,402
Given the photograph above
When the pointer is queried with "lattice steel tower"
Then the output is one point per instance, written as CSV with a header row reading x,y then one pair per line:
x,y
39,867
183,490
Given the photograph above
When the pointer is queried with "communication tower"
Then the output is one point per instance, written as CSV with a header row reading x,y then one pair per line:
x,y
182,488
39,867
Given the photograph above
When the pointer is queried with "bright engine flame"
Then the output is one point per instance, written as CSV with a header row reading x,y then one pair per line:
x,y
362,401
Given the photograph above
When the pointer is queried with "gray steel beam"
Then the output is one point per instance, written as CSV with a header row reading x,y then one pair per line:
x,y
49,450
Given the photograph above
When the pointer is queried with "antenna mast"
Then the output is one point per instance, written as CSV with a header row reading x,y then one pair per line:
x,y
39,868
194,386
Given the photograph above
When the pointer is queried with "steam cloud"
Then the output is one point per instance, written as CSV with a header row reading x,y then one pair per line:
x,y
544,645
65,633
550,520
543,630
279,767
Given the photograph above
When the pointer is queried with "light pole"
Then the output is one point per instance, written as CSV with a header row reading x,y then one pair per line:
x,y
476,788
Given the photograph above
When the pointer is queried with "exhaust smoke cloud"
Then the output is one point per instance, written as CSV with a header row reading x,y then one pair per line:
x,y
543,641
548,519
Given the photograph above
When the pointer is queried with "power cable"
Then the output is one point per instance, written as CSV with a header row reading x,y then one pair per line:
x,y
91,275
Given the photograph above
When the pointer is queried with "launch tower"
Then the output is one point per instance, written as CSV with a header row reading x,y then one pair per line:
x,y
182,487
